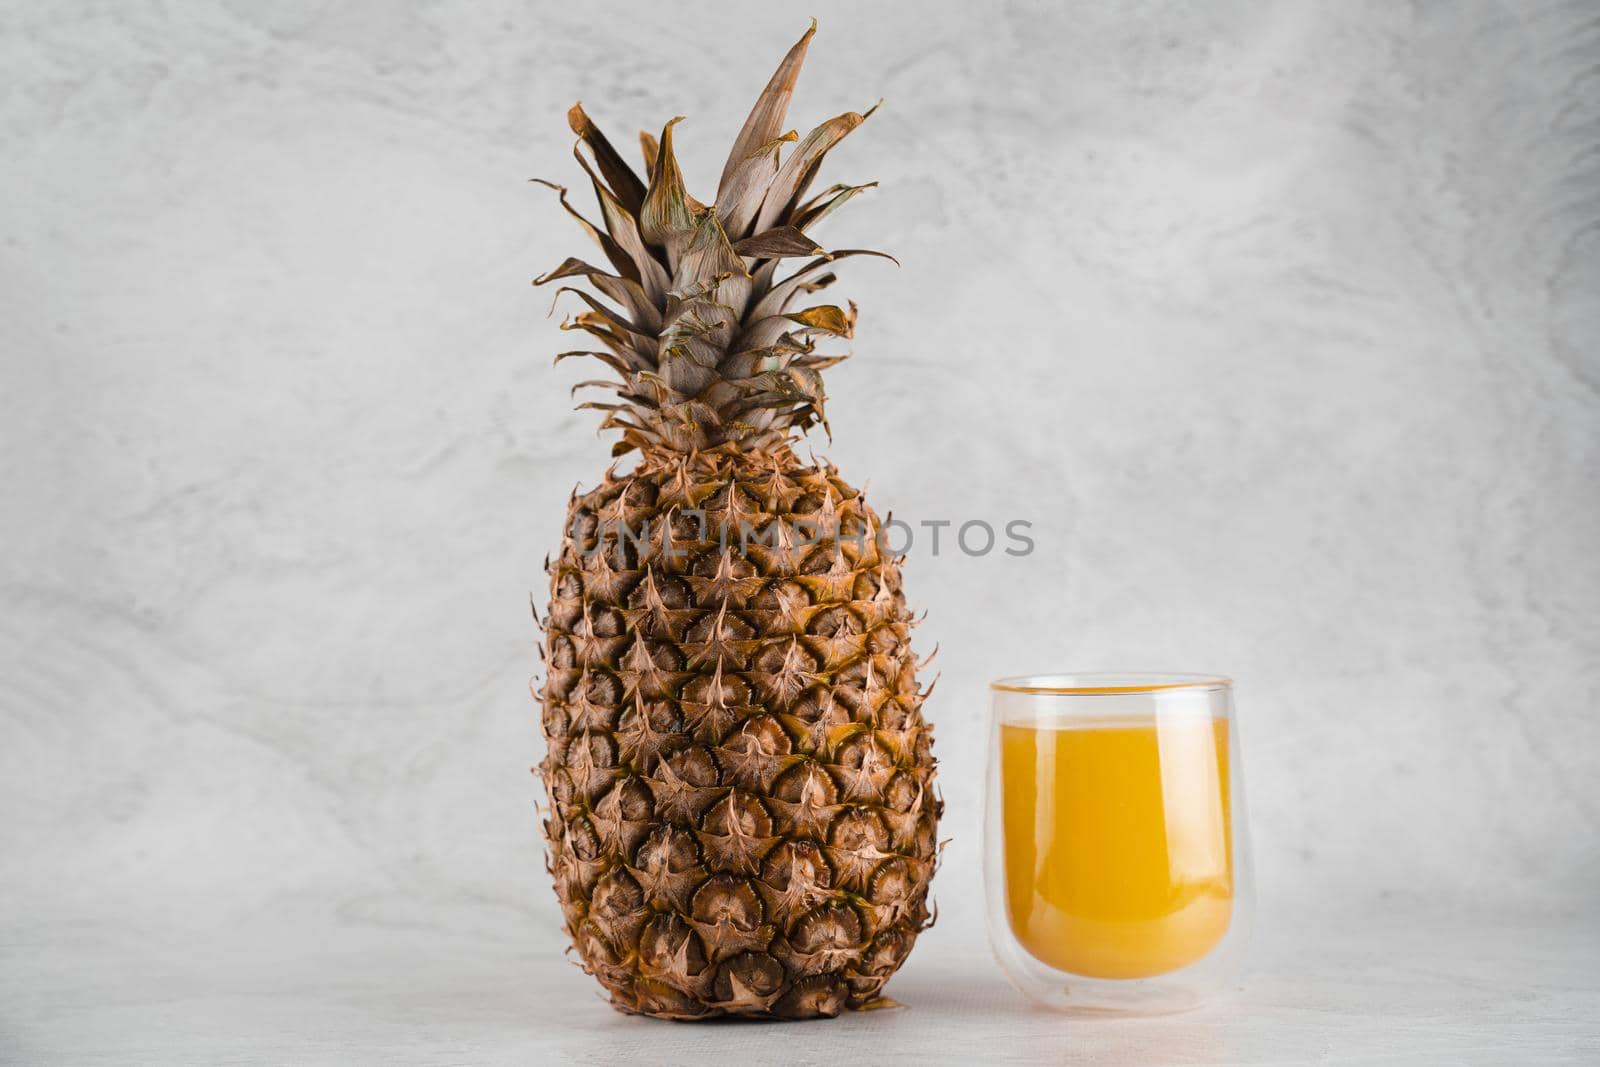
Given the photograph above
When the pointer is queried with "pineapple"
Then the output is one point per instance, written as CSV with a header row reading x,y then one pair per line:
x,y
741,811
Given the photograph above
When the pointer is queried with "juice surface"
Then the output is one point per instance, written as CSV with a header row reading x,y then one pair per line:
x,y
1118,849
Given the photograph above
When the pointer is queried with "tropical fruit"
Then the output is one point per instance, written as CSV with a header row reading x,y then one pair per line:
x,y
741,807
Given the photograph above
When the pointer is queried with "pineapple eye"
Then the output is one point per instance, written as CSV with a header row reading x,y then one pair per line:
x,y
607,622
696,766
639,493
819,560
569,586
617,898
807,784
725,689
833,622
727,899
838,927
750,974
902,792
582,839
720,626
602,688
893,881
671,947
562,654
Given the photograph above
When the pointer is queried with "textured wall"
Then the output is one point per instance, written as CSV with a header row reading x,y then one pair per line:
x,y
1278,321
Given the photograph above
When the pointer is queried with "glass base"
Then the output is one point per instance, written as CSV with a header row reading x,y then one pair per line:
x,y
1129,997
1185,989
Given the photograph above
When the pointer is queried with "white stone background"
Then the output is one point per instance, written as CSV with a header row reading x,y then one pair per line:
x,y
1278,322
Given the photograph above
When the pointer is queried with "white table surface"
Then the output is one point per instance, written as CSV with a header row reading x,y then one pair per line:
x,y
374,985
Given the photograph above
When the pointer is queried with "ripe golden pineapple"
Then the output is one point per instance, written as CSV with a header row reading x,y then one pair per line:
x,y
742,815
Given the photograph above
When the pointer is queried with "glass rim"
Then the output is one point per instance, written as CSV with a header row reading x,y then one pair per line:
x,y
1108,683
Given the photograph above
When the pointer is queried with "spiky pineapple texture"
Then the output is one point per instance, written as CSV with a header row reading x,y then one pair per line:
x,y
742,817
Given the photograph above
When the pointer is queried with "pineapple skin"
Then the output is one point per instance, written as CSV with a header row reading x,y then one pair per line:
x,y
741,811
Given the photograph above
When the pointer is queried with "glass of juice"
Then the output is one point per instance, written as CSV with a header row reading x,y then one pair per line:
x,y
1116,853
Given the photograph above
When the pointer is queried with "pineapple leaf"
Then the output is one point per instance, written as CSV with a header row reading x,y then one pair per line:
x,y
625,184
777,298
610,315
766,117
667,217
570,267
619,343
800,167
709,256
778,243
826,203
826,318
624,291
650,148
620,260
610,359
740,197
622,228
630,295
620,388
762,333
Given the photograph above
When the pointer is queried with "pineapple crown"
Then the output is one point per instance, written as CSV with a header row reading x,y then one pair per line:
x,y
705,344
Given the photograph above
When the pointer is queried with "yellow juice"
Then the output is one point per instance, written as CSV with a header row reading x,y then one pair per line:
x,y
1118,846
